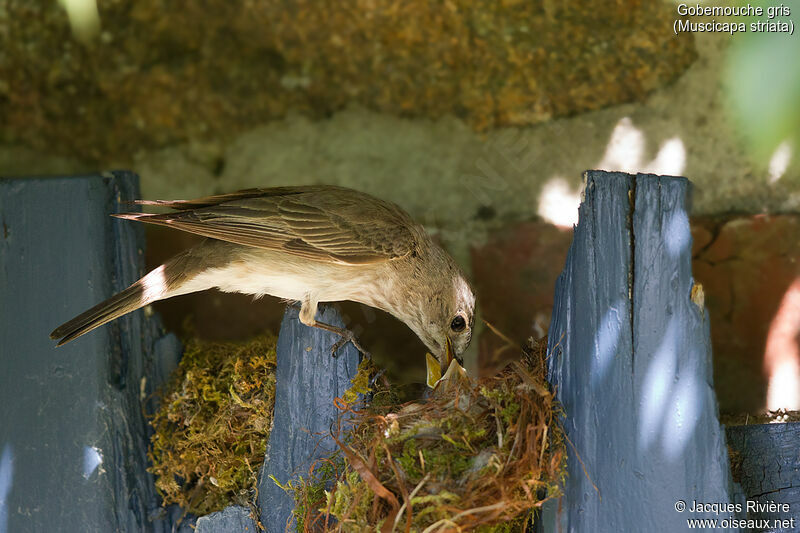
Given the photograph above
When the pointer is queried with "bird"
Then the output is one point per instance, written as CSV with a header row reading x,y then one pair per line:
x,y
306,244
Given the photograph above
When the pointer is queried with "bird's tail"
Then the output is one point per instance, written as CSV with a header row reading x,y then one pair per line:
x,y
121,303
164,282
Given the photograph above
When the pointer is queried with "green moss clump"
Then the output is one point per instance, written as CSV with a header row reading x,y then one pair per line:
x,y
347,502
359,385
212,428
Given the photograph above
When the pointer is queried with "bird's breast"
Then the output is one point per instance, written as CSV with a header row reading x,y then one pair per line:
x,y
289,277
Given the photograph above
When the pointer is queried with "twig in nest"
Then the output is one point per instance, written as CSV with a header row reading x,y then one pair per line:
x,y
366,474
452,521
408,501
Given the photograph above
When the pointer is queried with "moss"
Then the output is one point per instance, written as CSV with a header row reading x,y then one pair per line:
x,y
311,492
475,455
513,526
348,502
212,428
410,460
502,399
359,385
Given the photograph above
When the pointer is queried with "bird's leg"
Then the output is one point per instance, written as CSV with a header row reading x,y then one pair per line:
x,y
346,336
308,311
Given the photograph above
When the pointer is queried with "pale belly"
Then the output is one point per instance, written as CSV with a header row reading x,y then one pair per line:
x,y
262,273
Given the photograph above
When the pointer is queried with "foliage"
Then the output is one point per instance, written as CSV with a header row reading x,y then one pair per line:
x,y
212,428
763,84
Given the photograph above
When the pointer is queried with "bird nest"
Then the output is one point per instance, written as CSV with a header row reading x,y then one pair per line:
x,y
212,427
475,456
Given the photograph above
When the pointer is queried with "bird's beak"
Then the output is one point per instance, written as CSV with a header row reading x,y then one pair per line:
x,y
449,354
436,369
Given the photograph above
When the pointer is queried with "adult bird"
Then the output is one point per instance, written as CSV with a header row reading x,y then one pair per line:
x,y
308,244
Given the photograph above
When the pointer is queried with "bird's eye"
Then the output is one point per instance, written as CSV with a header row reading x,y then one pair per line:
x,y
458,323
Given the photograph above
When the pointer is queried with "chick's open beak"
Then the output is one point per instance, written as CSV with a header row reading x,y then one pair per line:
x,y
436,369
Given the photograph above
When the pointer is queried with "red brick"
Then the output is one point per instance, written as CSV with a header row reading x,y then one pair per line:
x,y
746,267
514,274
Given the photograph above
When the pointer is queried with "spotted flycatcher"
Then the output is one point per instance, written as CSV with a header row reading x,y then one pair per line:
x,y
308,244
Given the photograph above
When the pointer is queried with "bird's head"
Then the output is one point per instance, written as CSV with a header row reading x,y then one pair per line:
x,y
446,327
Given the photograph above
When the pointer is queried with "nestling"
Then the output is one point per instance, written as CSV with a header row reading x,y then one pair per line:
x,y
309,244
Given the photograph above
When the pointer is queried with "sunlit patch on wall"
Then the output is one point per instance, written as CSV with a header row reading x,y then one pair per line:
x,y
558,203
782,355
84,19
626,149
779,161
670,159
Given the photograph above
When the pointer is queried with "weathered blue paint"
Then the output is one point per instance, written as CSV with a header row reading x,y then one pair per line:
x,y
630,358
770,467
73,438
232,519
308,379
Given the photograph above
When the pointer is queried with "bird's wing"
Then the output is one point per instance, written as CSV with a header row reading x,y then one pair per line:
x,y
322,223
209,201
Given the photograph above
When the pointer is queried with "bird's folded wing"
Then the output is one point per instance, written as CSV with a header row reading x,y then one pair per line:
x,y
209,201
318,223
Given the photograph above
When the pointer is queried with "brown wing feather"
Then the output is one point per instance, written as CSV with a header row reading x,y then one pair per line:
x,y
318,222
208,201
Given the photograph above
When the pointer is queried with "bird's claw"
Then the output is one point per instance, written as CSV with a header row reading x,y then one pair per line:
x,y
345,337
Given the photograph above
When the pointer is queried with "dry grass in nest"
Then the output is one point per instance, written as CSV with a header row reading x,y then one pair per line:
x,y
476,456
212,428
